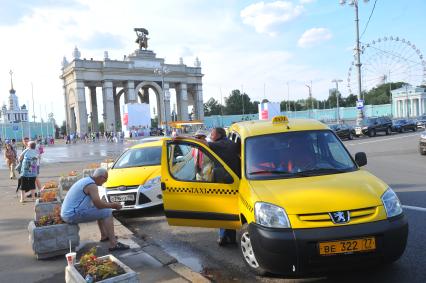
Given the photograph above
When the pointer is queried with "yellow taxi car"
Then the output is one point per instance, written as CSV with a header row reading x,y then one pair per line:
x,y
302,204
134,179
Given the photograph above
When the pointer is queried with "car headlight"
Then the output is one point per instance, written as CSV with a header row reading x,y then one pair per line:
x,y
152,182
270,215
391,203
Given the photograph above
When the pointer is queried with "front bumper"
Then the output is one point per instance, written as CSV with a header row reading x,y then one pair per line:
x,y
143,198
295,252
422,145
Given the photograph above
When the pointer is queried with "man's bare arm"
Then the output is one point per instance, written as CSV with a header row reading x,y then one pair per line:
x,y
92,190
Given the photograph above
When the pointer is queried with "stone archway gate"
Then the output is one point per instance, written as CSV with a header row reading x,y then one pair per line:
x,y
134,75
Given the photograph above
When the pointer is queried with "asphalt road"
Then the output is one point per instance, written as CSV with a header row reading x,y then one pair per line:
x,y
394,159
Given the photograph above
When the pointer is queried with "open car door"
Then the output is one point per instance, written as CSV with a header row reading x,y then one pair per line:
x,y
198,188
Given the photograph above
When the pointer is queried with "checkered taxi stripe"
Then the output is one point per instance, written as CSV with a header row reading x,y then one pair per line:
x,y
201,191
246,204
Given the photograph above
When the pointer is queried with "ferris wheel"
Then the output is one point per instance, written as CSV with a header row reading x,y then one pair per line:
x,y
387,59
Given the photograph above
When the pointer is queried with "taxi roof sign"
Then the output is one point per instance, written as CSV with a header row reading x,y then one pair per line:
x,y
281,119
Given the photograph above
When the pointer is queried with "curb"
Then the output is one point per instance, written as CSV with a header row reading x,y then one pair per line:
x,y
160,255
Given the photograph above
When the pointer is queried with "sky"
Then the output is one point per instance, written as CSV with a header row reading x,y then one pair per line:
x,y
269,49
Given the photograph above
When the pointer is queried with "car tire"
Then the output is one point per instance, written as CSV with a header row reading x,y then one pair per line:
x,y
400,130
422,152
415,129
247,251
351,137
371,133
388,131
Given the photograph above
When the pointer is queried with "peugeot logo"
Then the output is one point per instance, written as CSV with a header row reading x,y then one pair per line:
x,y
340,217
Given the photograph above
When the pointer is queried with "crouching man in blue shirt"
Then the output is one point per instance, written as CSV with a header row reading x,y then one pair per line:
x,y
82,204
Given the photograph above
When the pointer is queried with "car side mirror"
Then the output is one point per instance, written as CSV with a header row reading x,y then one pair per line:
x,y
361,159
179,159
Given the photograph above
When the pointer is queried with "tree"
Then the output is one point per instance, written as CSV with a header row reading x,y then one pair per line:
x,y
381,94
237,103
64,128
212,107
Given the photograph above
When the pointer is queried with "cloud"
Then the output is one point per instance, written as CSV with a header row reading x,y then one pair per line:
x,y
104,41
306,1
265,17
314,36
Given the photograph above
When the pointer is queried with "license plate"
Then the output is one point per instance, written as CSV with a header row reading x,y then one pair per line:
x,y
358,131
121,198
347,246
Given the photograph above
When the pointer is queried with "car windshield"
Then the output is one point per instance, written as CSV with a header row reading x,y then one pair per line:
x,y
138,157
296,154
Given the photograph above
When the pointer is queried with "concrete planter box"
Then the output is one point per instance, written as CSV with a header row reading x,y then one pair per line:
x,y
53,240
44,208
73,276
65,184
88,172
106,165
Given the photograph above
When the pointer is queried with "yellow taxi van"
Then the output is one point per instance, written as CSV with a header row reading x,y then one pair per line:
x,y
302,205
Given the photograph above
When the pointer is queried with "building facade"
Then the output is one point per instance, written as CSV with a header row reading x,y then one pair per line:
x,y
132,77
408,101
12,112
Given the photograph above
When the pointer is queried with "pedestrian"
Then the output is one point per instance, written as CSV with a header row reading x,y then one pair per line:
x,y
10,158
228,152
29,171
83,204
13,144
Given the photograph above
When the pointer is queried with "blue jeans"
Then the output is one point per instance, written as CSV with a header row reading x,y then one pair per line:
x,y
88,215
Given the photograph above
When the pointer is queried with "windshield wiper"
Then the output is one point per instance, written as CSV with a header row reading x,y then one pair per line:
x,y
321,171
270,172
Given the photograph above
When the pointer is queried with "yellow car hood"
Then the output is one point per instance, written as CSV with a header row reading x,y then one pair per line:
x,y
327,193
131,176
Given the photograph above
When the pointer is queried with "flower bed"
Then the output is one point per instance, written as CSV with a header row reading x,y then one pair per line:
x,y
65,182
44,208
100,269
52,240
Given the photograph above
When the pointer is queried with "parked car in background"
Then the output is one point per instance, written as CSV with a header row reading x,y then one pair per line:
x,y
422,143
373,125
421,121
402,125
134,179
343,131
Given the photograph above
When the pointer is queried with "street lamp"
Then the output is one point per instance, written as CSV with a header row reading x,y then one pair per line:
x,y
310,97
337,81
354,3
166,96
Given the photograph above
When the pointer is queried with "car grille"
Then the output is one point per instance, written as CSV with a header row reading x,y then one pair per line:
x,y
127,187
323,218
143,199
127,202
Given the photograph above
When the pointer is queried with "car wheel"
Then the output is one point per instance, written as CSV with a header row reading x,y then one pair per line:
x,y
422,152
388,131
351,137
400,130
247,251
371,133
415,129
